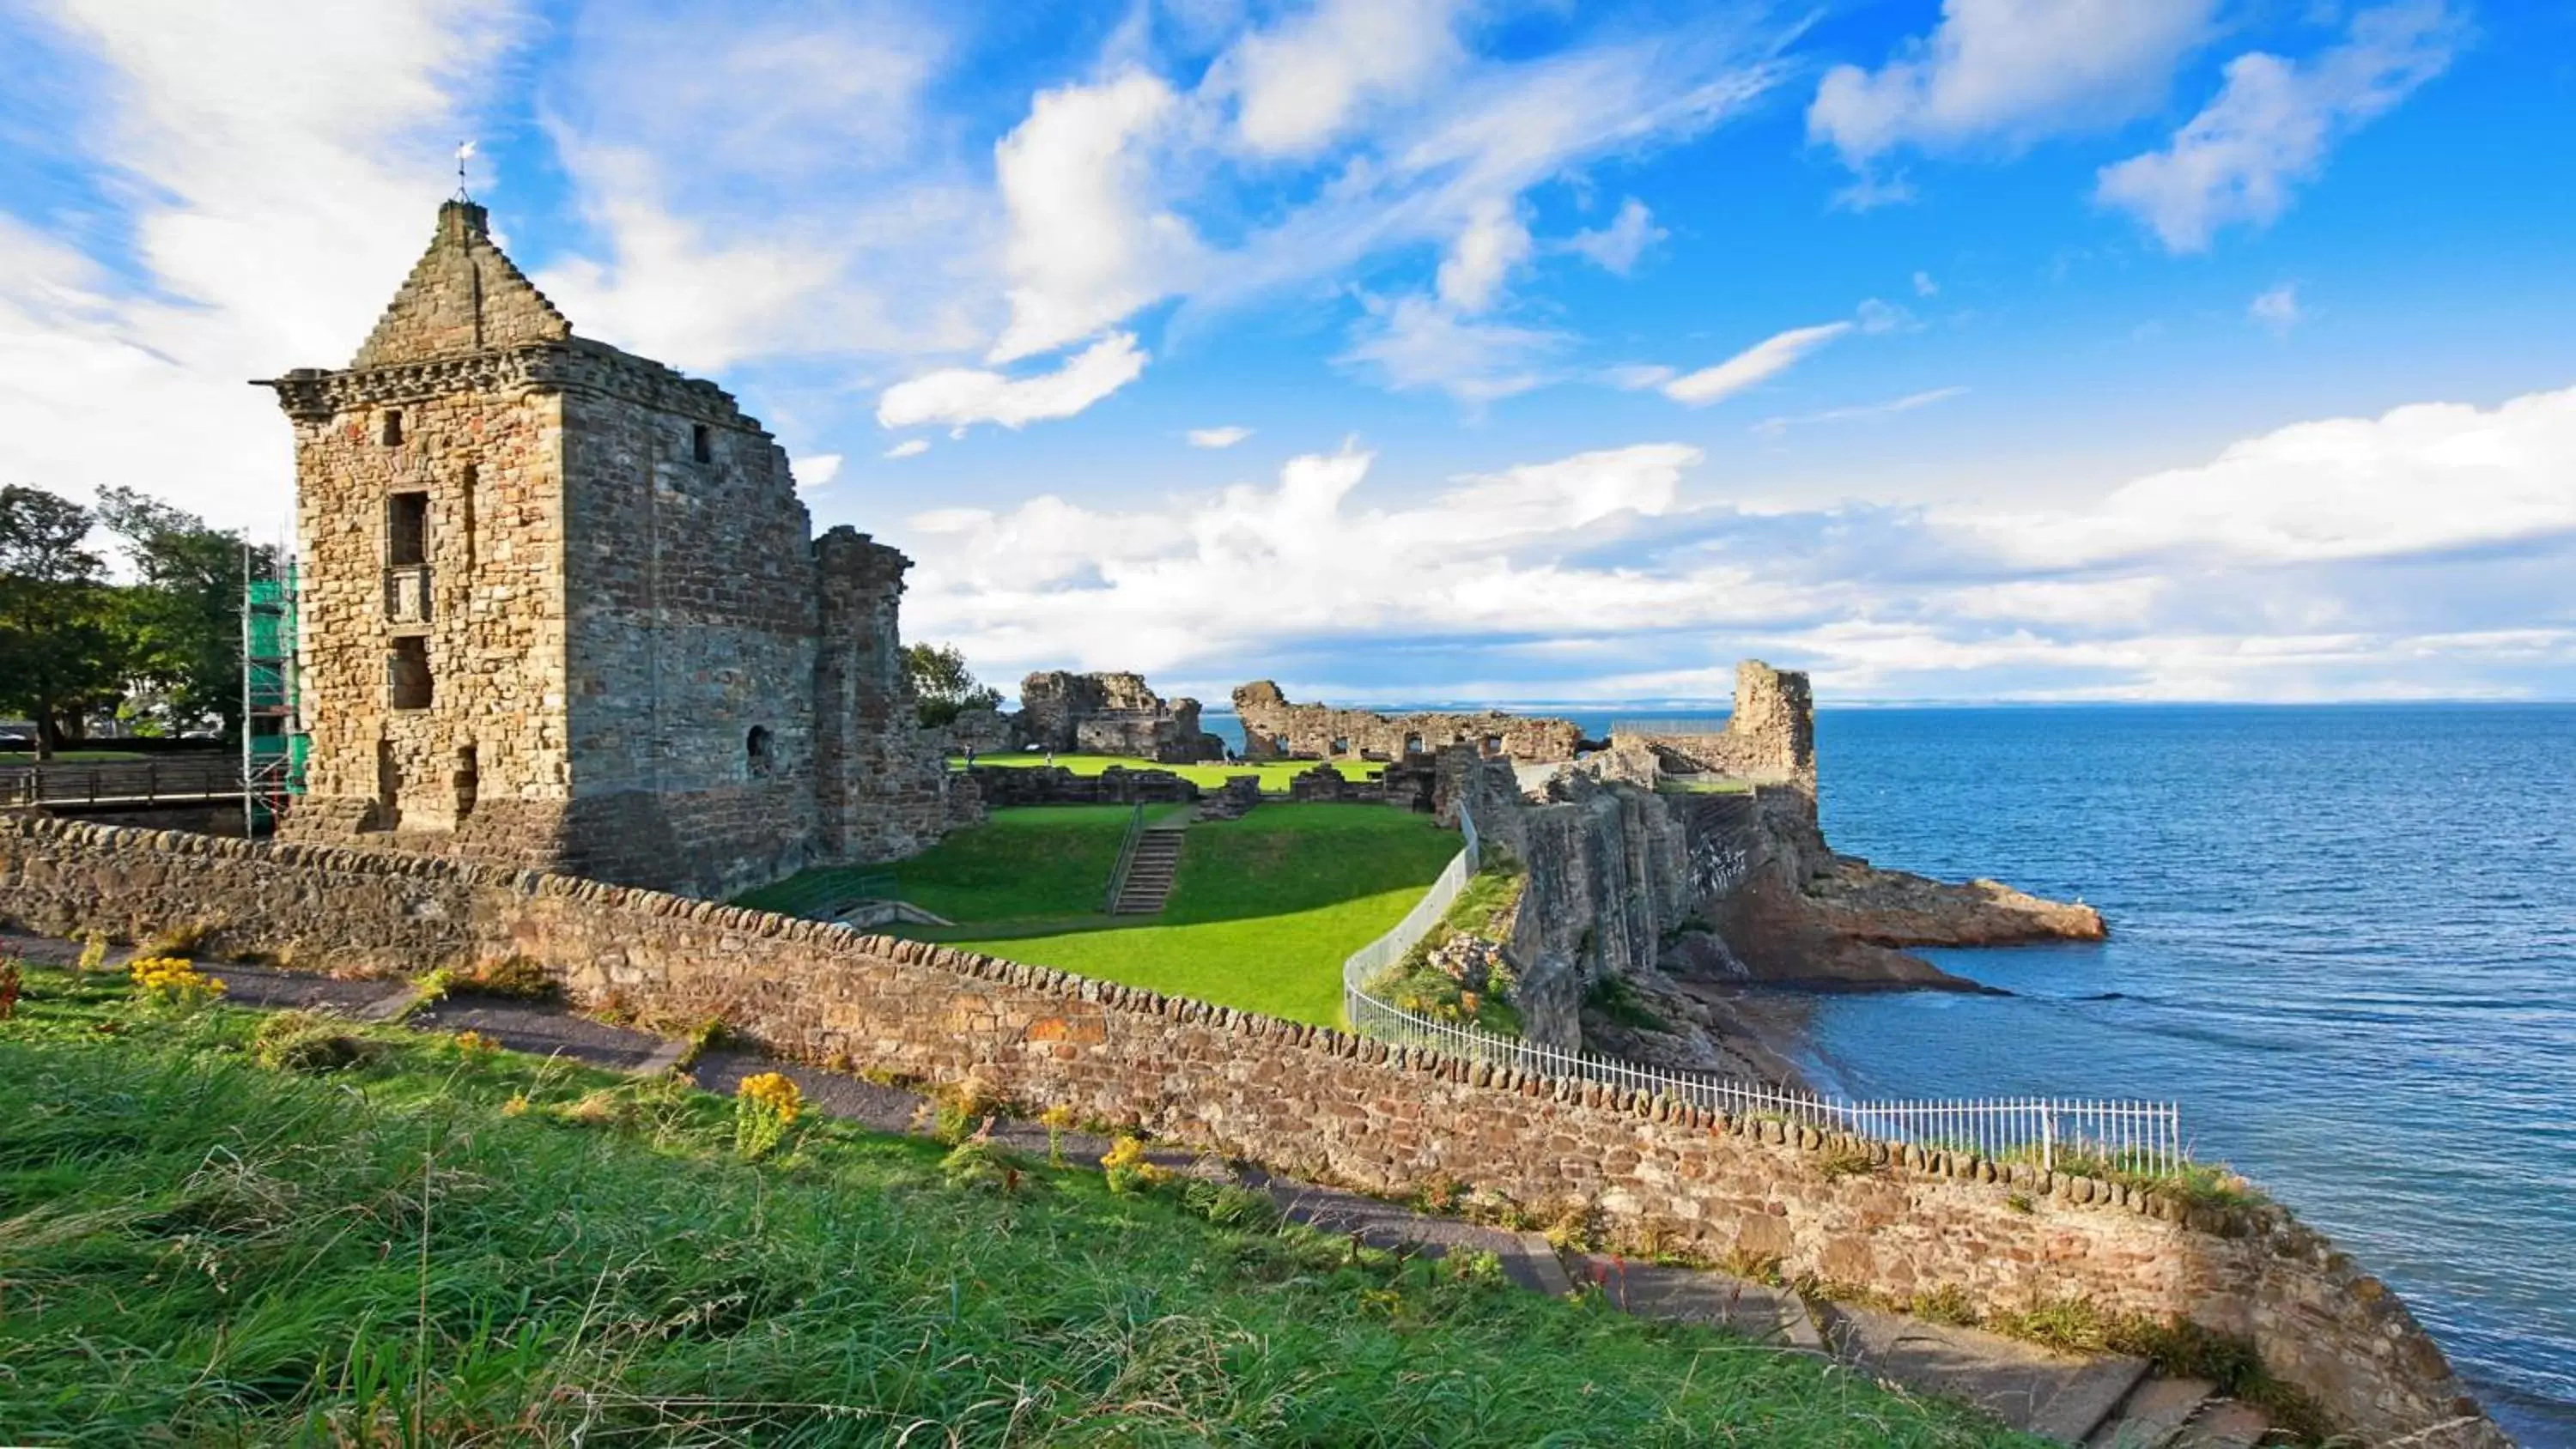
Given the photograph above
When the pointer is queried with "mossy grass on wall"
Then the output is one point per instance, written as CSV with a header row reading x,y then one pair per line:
x,y
432,1244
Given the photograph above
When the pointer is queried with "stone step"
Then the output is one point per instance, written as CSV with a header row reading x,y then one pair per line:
x,y
2153,1415
2225,1424
2087,1398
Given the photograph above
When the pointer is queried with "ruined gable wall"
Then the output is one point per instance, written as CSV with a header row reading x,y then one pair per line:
x,y
1273,728
1111,714
1300,1099
883,790
482,444
692,623
1771,737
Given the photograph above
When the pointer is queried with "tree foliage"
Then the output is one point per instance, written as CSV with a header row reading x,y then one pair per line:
x,y
62,644
943,685
73,643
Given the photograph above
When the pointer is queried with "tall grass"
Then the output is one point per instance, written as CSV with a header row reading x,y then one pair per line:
x,y
436,1247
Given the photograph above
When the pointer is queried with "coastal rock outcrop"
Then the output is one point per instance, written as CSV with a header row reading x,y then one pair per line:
x,y
1672,859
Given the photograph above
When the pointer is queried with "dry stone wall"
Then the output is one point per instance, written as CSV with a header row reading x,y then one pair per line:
x,y
1274,729
1299,1098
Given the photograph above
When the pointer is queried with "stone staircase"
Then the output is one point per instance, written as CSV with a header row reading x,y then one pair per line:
x,y
2108,1401
1147,885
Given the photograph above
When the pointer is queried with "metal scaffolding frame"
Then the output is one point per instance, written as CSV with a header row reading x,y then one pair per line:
x,y
273,741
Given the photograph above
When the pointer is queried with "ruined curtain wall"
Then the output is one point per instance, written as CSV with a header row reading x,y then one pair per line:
x,y
1274,728
1302,1099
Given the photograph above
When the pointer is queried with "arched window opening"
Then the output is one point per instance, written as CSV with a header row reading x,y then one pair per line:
x,y
757,752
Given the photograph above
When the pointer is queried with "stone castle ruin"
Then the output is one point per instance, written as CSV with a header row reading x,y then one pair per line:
x,y
562,609
1275,729
1111,714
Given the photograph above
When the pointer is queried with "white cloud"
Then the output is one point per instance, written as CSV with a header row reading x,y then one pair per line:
x,y
1638,376
1493,243
1764,359
963,396
1616,248
2276,309
277,175
1774,427
816,471
2298,564
1415,342
2272,123
2428,478
1304,82
909,448
1087,248
1052,582
1924,286
1224,437
2008,72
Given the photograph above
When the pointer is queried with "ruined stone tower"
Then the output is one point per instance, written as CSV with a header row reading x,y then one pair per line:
x,y
561,608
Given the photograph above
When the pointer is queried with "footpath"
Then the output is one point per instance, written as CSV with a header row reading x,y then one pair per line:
x,y
2103,1402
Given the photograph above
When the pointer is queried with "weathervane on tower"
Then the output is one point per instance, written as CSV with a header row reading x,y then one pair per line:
x,y
464,150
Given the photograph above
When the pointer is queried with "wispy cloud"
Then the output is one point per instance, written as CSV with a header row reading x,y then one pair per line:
x,y
1224,437
961,397
1765,359
2273,121
2276,309
1774,427
908,448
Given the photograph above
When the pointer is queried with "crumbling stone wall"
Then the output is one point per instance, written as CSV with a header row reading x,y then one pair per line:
x,y
1003,786
1275,729
561,608
1298,1098
1111,714
1771,737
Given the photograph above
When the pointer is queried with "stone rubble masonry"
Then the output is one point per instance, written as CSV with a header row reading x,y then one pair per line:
x,y
1771,737
1302,1099
1275,729
642,667
1111,714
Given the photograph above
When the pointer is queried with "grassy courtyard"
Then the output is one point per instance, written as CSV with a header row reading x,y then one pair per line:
x,y
440,1243
1262,914
1275,774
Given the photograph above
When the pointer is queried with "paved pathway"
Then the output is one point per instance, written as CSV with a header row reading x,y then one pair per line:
x,y
2104,1400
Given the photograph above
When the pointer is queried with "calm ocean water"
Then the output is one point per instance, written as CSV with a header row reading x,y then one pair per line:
x,y
2343,937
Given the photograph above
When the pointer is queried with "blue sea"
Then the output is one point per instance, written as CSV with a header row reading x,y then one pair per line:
x,y
2343,937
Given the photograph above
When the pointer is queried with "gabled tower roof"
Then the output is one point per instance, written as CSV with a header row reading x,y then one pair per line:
x,y
462,296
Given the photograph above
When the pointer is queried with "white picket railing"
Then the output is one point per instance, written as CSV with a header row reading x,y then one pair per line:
x,y
2139,1137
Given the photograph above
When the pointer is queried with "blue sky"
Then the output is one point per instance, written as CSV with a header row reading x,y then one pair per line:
x,y
1423,349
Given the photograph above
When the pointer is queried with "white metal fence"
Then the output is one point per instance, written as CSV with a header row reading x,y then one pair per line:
x,y
2138,1137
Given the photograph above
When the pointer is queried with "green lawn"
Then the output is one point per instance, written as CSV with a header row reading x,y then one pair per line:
x,y
1040,862
1275,774
1263,913
443,1246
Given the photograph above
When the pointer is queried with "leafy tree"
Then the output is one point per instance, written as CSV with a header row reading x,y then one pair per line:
x,y
943,685
184,616
62,644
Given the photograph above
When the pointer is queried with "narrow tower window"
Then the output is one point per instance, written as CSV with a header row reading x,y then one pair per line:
x,y
408,671
393,426
756,749
407,530
702,443
469,781
1413,744
465,509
